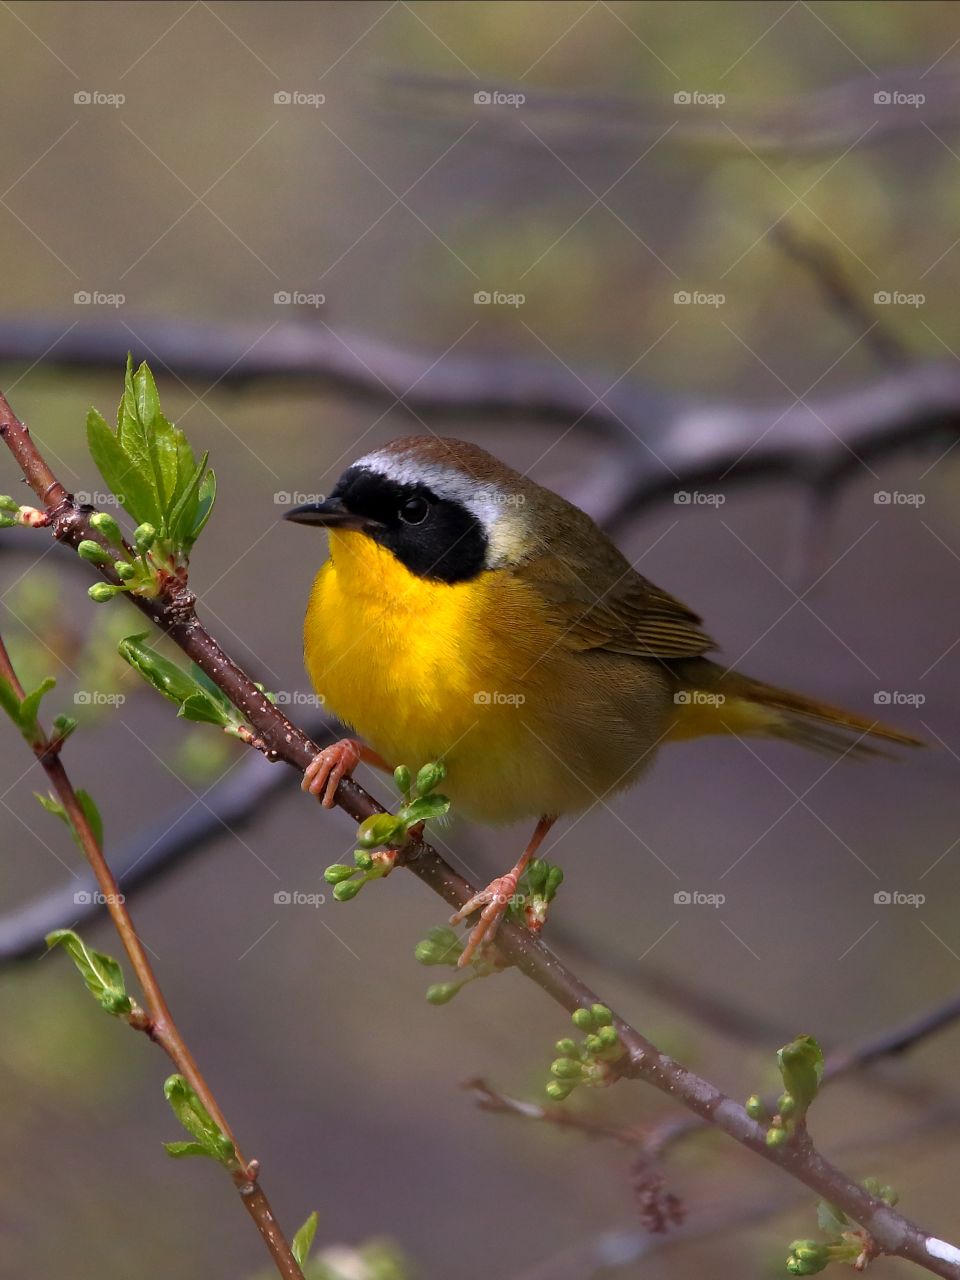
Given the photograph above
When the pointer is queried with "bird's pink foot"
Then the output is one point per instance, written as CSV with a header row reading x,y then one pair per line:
x,y
322,775
494,900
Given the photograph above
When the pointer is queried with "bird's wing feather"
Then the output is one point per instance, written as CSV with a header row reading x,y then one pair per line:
x,y
605,604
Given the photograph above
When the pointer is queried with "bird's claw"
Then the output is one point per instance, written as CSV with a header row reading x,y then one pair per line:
x,y
494,899
322,775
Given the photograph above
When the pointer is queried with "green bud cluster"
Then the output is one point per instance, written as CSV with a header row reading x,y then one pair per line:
x,y
846,1241
443,946
889,1195
810,1257
9,511
347,881
136,572
801,1068
587,1063
807,1258
536,889
420,802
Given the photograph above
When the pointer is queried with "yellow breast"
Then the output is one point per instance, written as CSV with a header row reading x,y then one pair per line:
x,y
428,670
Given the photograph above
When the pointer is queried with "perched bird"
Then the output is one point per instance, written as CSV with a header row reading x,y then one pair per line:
x,y
467,614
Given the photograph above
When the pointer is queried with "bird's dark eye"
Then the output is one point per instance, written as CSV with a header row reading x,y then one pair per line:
x,y
415,511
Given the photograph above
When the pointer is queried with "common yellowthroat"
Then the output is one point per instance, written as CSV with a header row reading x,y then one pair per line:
x,y
470,615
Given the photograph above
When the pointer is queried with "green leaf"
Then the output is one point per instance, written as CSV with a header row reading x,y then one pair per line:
x,y
212,689
30,706
202,709
208,496
150,464
180,1149
101,973
302,1242
122,475
379,828
194,701
211,1141
140,426
9,700
831,1220
424,808
90,812
183,513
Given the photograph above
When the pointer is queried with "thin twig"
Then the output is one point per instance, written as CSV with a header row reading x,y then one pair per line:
x,y
839,293
157,1022
173,611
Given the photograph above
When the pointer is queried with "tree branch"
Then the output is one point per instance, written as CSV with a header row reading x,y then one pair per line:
x,y
657,443
824,120
174,613
157,1021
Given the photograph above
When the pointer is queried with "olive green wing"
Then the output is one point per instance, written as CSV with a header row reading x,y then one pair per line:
x,y
603,603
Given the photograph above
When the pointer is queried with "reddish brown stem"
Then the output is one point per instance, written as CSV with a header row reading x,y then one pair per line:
x,y
158,1023
174,612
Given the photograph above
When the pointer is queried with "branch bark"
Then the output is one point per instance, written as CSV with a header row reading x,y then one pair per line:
x,y
175,614
157,1021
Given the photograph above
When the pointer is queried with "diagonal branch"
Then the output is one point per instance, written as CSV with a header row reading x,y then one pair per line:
x,y
174,613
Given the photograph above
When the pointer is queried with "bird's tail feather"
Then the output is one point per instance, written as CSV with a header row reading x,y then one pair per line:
x,y
711,700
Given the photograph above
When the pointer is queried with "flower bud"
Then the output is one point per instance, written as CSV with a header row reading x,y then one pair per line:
x,y
144,536
92,551
347,889
105,524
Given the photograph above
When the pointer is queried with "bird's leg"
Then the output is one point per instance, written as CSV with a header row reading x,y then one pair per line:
x,y
323,773
495,898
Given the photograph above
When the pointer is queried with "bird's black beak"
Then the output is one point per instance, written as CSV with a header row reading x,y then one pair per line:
x,y
331,514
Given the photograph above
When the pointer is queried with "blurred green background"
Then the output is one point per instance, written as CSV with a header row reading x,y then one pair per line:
x,y
200,198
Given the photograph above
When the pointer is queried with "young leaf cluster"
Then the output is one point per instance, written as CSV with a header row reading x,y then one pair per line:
x,y
420,803
150,467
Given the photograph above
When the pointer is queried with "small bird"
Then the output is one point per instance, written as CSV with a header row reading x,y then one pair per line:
x,y
469,615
